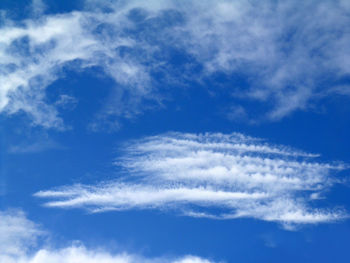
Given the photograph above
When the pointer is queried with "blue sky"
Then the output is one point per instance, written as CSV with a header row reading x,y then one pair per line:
x,y
174,131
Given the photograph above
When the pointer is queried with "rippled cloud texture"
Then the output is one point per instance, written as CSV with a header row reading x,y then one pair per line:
x,y
212,175
290,54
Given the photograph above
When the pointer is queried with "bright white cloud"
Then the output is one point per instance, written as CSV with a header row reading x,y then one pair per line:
x,y
211,175
284,50
18,244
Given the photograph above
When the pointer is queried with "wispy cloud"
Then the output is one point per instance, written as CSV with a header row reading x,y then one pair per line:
x,y
38,7
286,50
36,147
34,54
290,54
18,244
211,175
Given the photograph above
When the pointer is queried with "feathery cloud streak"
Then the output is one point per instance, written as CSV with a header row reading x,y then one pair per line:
x,y
19,236
211,175
291,54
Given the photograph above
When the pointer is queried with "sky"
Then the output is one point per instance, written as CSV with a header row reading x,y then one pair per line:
x,y
174,131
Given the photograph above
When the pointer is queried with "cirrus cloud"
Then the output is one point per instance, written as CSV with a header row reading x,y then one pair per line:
x,y
212,175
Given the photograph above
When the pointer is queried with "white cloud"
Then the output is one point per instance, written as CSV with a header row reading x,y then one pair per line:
x,y
286,49
35,54
289,53
18,244
121,196
211,175
17,233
